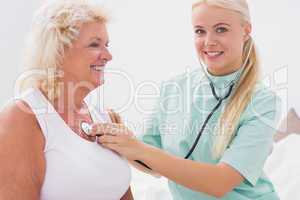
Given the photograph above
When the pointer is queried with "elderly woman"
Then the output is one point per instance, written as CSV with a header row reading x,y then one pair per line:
x,y
44,153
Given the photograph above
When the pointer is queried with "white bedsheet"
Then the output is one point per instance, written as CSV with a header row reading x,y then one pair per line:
x,y
283,167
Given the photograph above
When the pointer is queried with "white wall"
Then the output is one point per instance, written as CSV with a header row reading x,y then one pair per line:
x,y
15,18
152,41
277,37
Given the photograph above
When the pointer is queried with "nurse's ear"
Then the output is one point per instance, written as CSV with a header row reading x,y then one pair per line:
x,y
247,31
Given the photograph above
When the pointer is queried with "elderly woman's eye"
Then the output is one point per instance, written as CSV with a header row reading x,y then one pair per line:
x,y
94,45
221,30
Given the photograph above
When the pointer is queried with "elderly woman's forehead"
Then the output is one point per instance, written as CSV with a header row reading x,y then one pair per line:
x,y
94,30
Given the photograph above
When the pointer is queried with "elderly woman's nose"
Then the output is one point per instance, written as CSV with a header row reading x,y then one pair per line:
x,y
106,55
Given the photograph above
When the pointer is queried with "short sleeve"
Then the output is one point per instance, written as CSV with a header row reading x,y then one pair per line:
x,y
253,142
152,122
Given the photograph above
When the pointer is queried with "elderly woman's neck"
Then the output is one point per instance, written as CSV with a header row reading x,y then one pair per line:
x,y
71,100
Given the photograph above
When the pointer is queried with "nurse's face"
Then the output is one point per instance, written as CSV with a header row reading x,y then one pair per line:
x,y
220,35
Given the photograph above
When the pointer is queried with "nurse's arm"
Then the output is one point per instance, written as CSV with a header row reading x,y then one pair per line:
x,y
215,180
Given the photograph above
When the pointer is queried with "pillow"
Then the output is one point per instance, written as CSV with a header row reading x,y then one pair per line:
x,y
283,167
290,124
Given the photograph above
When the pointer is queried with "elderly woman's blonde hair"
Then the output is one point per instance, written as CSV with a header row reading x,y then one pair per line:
x,y
56,25
238,102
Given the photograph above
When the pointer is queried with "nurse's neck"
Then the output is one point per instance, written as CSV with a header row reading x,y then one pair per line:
x,y
227,69
222,72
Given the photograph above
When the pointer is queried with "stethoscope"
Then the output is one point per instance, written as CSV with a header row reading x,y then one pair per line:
x,y
218,98
87,127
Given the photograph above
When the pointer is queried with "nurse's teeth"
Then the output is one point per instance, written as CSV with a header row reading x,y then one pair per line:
x,y
217,53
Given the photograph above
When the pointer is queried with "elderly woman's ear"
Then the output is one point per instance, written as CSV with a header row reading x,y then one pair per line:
x,y
290,124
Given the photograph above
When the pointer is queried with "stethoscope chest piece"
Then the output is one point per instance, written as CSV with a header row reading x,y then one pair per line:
x,y
86,128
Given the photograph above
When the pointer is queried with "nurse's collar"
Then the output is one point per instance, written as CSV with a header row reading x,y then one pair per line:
x,y
222,82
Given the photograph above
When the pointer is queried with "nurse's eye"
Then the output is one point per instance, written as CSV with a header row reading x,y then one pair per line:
x,y
200,32
221,30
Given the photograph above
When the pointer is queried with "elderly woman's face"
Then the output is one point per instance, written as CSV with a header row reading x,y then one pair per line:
x,y
85,60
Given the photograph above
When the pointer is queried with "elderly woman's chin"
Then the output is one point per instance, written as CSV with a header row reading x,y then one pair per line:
x,y
97,79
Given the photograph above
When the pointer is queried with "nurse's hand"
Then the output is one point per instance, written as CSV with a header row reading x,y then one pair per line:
x,y
118,138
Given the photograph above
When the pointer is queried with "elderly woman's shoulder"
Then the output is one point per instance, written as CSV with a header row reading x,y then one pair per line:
x,y
17,119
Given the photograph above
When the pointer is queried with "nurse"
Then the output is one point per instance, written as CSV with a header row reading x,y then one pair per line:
x,y
213,127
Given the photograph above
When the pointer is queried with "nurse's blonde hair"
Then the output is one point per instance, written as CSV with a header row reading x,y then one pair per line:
x,y
229,120
56,25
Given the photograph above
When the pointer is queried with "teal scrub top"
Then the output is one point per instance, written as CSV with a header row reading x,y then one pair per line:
x,y
184,103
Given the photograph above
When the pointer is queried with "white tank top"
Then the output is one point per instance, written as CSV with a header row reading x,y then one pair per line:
x,y
76,169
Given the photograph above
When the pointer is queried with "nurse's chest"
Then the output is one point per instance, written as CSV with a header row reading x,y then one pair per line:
x,y
179,130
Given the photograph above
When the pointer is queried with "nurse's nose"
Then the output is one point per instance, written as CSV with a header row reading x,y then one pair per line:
x,y
210,40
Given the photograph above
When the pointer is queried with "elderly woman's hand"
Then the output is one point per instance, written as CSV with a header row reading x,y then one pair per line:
x,y
118,138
